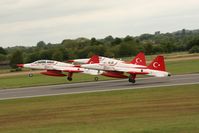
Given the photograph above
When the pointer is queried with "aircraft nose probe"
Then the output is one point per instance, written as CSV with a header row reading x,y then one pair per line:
x,y
20,65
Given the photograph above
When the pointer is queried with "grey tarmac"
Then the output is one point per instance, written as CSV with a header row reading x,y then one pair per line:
x,y
98,86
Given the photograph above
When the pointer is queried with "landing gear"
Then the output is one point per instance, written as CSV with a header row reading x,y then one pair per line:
x,y
132,78
96,78
70,78
30,75
70,74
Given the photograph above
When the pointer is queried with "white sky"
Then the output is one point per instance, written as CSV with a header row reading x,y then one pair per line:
x,y
25,22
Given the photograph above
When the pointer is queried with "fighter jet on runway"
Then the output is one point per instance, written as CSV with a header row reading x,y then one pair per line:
x,y
98,65
137,66
56,68
107,65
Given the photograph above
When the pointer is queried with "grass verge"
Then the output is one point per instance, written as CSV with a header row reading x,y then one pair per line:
x,y
183,66
39,80
155,110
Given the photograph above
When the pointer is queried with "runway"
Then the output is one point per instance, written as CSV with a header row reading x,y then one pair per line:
x,y
98,86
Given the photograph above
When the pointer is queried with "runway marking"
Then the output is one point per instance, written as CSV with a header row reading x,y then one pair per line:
x,y
69,93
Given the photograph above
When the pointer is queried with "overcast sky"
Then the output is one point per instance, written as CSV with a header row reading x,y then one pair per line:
x,y
25,22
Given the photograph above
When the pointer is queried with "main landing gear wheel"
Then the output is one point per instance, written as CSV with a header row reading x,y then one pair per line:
x,y
70,74
30,75
69,79
131,80
96,78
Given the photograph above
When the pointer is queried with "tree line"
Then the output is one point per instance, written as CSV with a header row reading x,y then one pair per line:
x,y
183,40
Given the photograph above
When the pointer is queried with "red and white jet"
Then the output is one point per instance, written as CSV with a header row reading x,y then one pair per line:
x,y
155,68
101,59
56,68
105,65
109,69
109,64
137,66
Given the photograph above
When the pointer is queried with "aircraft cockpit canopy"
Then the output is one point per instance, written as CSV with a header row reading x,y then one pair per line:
x,y
44,61
50,61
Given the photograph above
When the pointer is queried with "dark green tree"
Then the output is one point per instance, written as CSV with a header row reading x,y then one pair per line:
x,y
168,47
157,49
192,42
124,50
109,53
109,39
128,38
90,54
148,48
116,41
16,58
46,54
3,51
3,57
41,44
32,57
57,55
194,49
94,41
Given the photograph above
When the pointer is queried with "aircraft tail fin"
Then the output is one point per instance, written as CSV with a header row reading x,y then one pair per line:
x,y
139,59
158,64
93,60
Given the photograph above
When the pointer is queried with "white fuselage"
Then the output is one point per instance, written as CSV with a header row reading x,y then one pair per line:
x,y
59,66
46,64
120,66
101,59
111,65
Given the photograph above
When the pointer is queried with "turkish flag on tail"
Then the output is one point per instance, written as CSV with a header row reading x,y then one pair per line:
x,y
139,59
157,64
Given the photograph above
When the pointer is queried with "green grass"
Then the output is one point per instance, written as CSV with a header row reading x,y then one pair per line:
x,y
39,79
175,67
183,66
4,70
155,110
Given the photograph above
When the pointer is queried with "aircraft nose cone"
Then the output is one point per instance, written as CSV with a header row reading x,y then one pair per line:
x,y
70,61
20,65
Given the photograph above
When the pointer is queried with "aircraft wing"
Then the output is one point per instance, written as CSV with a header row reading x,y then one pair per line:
x,y
131,70
124,69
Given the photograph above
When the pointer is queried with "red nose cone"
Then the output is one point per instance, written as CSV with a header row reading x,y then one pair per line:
x,y
20,65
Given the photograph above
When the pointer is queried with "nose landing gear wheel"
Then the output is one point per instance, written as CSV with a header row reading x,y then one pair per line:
x,y
96,78
30,75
